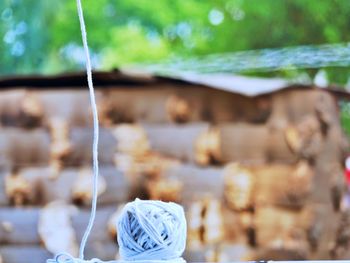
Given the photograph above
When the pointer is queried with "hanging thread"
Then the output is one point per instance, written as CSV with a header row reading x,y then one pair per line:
x,y
96,131
64,257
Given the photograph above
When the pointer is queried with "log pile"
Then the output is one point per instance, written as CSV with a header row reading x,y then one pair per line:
x,y
260,178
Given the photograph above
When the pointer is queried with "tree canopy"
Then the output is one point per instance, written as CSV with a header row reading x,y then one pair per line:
x,y
41,36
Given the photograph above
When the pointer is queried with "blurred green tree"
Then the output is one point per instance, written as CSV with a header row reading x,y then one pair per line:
x,y
42,36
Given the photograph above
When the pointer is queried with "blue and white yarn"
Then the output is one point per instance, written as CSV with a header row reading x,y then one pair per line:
x,y
151,231
148,232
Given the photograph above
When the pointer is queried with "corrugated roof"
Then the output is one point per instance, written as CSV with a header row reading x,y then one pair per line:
x,y
246,86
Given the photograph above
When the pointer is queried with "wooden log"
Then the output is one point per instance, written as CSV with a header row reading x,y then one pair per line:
x,y
76,110
198,182
194,219
234,228
9,106
3,197
55,228
37,186
151,110
164,189
132,139
226,107
280,254
178,141
286,185
212,222
101,233
228,252
223,252
305,138
293,105
329,168
194,255
205,223
311,230
20,108
280,227
178,109
119,102
102,250
61,187
341,243
239,187
140,170
18,190
322,231
278,148
160,106
23,253
19,226
60,144
82,187
243,143
17,253
118,186
28,109
112,222
208,147
21,147
250,144
81,147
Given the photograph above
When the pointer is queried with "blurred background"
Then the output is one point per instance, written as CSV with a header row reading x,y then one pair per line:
x,y
237,109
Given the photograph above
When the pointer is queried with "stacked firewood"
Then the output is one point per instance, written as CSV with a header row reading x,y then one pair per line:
x,y
260,178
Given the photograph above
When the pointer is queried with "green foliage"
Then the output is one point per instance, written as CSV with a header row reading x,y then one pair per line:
x,y
41,36
345,117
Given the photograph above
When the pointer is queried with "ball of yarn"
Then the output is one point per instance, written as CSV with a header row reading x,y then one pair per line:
x,y
151,230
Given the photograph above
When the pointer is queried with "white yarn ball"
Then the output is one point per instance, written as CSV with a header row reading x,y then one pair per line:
x,y
151,230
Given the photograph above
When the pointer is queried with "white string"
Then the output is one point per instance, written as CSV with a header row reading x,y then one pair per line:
x,y
96,132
